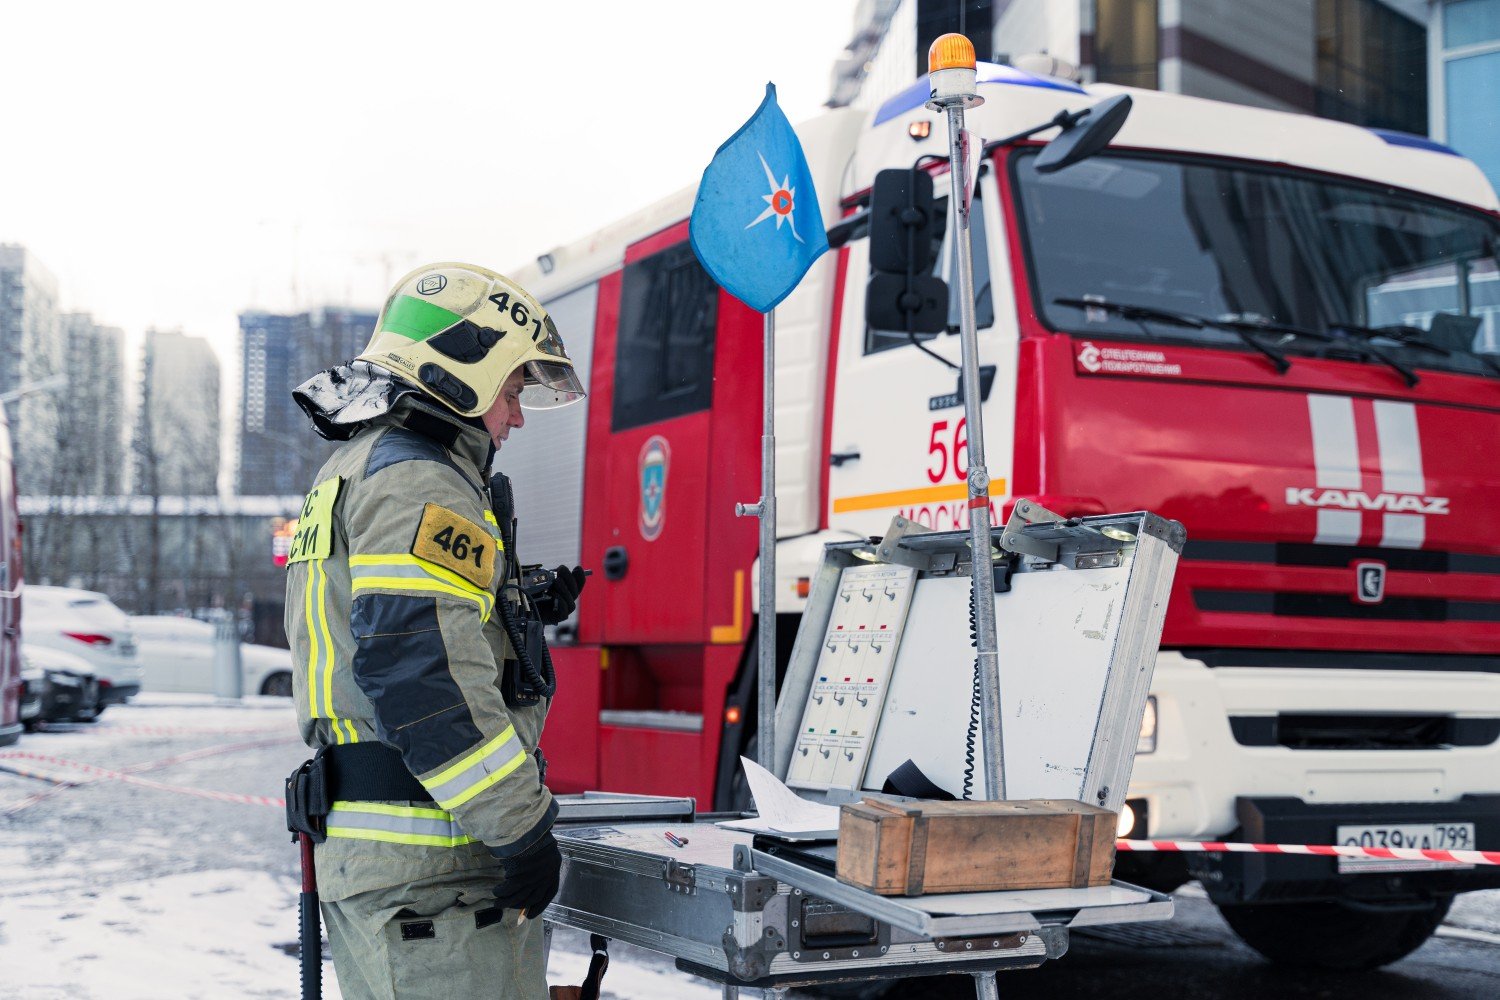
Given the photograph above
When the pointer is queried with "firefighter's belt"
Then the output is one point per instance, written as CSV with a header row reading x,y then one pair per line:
x,y
370,772
349,772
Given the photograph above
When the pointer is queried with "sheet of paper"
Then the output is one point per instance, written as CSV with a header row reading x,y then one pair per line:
x,y
783,811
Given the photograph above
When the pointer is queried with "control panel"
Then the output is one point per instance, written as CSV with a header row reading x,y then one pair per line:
x,y
853,672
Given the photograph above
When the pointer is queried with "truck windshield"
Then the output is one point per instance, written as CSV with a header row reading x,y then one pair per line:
x,y
1414,277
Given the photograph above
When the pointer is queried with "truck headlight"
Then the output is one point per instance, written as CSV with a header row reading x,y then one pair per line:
x,y
1147,741
1131,824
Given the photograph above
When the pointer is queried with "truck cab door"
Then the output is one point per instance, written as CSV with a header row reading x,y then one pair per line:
x,y
899,410
680,393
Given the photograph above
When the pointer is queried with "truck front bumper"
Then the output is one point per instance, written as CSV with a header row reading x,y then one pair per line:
x,y
1244,878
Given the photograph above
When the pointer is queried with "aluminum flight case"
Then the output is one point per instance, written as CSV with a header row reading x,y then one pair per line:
x,y
733,915
1080,618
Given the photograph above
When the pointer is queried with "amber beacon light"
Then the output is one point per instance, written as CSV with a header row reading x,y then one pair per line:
x,y
950,63
951,51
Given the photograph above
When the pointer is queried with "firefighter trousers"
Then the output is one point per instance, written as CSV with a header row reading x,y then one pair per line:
x,y
438,938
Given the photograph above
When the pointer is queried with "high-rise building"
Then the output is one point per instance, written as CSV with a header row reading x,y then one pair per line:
x,y
176,445
31,349
1360,61
92,447
278,451
1464,42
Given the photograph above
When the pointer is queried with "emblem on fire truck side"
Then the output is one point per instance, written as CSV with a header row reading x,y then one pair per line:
x,y
656,456
1095,360
1369,582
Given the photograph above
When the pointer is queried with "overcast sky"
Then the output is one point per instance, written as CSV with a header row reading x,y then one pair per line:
x,y
174,164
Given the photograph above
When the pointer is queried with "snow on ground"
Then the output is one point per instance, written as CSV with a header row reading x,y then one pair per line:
x,y
202,934
112,891
214,934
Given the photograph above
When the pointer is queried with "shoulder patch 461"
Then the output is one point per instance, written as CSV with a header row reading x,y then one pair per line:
x,y
314,536
455,543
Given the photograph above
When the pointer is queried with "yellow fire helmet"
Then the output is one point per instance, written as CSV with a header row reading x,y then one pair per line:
x,y
457,331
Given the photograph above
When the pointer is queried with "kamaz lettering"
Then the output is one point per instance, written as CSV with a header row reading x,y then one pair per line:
x,y
1394,503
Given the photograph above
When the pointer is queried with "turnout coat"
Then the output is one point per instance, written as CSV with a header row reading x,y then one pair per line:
x,y
393,576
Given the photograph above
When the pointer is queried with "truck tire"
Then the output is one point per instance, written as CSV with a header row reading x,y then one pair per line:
x,y
1332,935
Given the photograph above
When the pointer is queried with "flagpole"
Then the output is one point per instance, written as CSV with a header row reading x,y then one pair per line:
x,y
765,708
766,704
736,252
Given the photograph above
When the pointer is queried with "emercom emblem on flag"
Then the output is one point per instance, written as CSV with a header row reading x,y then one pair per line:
x,y
758,177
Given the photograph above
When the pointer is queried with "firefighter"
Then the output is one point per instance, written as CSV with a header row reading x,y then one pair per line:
x,y
421,677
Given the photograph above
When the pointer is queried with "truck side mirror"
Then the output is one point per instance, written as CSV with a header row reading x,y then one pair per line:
x,y
904,223
1087,136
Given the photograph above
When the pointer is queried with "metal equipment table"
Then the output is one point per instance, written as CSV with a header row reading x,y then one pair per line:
x,y
742,917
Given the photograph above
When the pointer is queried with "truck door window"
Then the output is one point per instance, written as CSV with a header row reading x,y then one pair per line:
x,y
664,359
945,266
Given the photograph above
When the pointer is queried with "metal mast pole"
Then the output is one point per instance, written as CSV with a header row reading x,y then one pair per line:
x,y
765,713
953,90
766,717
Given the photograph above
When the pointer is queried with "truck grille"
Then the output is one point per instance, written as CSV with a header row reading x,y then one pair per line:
x,y
1296,604
1352,731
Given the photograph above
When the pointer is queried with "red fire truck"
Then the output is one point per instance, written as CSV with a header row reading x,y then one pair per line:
x,y
1279,330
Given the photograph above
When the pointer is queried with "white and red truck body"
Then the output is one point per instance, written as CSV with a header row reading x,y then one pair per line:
x,y
1282,678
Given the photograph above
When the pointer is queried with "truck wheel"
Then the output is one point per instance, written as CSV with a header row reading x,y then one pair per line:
x,y
278,685
1332,935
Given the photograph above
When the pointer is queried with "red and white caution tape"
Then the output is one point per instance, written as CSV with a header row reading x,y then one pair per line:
x,y
106,729
1323,850
130,779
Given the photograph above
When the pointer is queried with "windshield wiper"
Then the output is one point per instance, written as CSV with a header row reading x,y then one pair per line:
x,y
1414,336
1145,314
1246,329
1358,346
1361,336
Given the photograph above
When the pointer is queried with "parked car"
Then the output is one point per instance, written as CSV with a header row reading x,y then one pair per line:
x,y
56,687
177,654
89,626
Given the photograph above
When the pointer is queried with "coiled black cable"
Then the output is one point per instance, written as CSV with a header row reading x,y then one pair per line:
x,y
971,737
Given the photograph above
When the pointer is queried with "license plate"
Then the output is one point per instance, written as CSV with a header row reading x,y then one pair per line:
x,y
1425,836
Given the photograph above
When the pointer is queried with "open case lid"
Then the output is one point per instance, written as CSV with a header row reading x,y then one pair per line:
x,y
1079,621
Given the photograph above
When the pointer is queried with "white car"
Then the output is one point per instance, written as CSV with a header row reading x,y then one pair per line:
x,y
89,626
177,654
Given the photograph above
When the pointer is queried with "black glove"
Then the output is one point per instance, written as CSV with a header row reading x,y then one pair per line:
x,y
531,878
561,598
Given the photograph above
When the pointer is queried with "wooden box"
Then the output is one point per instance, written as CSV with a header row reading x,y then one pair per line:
x,y
913,848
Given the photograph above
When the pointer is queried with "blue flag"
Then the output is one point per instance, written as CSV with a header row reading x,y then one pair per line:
x,y
756,225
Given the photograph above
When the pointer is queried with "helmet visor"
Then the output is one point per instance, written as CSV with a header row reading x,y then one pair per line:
x,y
550,385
